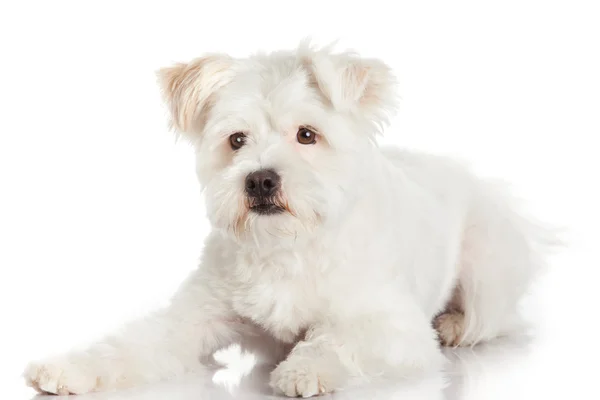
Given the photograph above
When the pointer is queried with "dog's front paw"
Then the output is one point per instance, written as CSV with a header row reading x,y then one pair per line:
x,y
301,377
61,376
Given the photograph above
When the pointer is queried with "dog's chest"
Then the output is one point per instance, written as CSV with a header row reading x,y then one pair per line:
x,y
279,293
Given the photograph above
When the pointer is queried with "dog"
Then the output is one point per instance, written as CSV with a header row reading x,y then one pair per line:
x,y
357,260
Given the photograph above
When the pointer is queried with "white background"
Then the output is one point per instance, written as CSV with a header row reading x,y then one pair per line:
x,y
101,217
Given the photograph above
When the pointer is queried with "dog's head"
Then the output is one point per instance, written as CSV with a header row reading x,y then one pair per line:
x,y
282,139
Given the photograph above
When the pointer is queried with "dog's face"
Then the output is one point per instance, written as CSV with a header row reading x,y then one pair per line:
x,y
282,140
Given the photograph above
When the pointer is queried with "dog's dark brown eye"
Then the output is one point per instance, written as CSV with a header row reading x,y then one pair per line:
x,y
306,136
237,140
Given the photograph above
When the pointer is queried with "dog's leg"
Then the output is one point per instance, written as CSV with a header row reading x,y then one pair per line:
x,y
166,344
333,354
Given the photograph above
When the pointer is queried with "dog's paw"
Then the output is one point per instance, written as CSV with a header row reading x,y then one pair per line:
x,y
300,377
60,376
450,327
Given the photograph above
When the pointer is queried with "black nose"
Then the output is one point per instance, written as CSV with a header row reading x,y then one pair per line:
x,y
262,183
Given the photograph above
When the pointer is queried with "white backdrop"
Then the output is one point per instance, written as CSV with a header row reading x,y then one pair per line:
x,y
100,214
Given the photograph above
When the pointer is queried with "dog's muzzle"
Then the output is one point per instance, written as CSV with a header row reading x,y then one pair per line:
x,y
262,188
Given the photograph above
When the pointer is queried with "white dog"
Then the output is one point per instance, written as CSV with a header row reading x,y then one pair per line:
x,y
361,259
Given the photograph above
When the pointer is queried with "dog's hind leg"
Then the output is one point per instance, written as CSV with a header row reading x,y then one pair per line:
x,y
502,252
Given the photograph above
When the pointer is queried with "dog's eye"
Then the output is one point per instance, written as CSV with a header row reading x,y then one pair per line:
x,y
306,136
237,140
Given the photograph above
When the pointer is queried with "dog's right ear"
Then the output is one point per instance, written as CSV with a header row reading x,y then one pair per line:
x,y
188,89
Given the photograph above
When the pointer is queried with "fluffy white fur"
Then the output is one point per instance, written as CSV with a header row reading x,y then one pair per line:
x,y
379,255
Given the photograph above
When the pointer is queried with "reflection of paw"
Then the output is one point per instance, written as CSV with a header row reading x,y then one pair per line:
x,y
235,365
60,376
450,328
299,378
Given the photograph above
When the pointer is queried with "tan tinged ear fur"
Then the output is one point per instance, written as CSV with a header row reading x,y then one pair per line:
x,y
361,86
188,89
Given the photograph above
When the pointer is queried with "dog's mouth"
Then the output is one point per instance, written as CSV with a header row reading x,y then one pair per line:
x,y
266,208
265,205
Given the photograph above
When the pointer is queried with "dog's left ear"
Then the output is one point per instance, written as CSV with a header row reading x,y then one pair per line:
x,y
188,89
357,85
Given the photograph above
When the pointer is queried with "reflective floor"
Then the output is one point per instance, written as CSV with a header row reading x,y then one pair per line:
x,y
516,368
